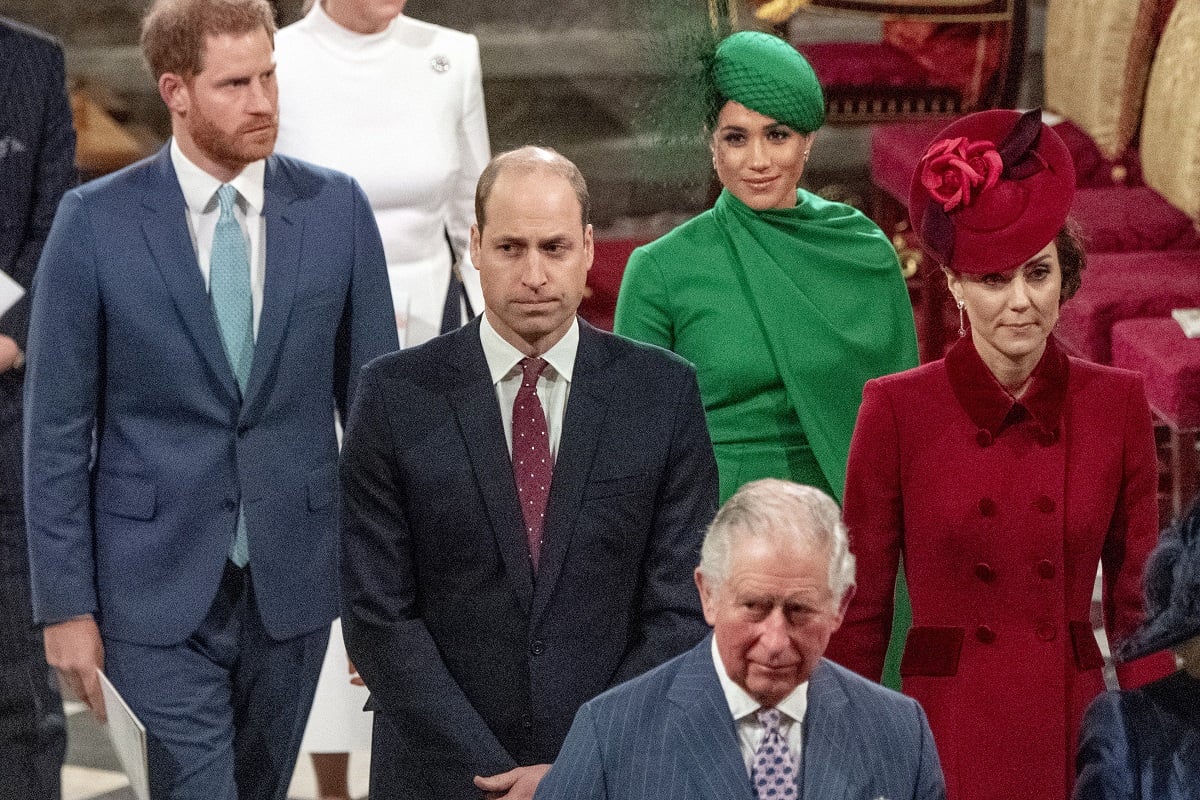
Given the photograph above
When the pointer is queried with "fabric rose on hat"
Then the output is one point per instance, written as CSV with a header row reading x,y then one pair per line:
x,y
954,171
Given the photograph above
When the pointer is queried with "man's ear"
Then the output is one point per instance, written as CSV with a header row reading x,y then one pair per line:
x,y
708,600
173,90
475,245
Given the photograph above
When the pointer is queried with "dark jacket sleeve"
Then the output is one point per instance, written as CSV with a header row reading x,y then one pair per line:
x,y
51,149
670,619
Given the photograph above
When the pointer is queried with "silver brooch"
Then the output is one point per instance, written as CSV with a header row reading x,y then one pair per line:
x,y
440,64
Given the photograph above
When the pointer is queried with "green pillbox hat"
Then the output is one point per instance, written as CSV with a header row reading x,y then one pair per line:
x,y
766,74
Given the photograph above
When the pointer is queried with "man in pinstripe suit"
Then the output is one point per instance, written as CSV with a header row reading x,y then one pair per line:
x,y
37,165
754,711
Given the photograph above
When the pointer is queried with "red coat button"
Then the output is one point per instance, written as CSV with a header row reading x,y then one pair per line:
x,y
1045,505
1046,569
984,438
985,572
985,634
987,507
1047,438
1046,631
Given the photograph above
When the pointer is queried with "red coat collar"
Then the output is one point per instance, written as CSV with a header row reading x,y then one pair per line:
x,y
987,403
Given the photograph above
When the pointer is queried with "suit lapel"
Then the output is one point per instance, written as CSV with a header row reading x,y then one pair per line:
x,y
587,405
165,227
706,733
284,232
473,398
829,769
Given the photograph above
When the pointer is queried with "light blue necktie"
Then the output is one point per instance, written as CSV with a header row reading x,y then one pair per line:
x,y
229,287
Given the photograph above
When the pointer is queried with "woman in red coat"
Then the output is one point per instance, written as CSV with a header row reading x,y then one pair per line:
x,y
1004,474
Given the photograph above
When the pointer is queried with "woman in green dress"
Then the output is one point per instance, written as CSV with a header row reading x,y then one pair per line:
x,y
785,302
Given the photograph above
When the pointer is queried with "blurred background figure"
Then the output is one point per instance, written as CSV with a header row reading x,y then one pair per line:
x,y
1004,473
37,165
1144,744
398,104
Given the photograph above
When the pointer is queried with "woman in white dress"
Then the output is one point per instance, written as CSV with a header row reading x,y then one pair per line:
x,y
398,104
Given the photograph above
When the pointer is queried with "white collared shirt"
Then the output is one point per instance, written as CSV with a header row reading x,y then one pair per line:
x,y
553,386
200,195
744,709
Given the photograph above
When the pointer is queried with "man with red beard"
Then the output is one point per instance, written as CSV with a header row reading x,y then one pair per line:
x,y
197,320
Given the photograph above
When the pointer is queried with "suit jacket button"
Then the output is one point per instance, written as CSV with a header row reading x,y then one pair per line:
x,y
984,438
1046,632
230,505
985,634
987,507
537,647
985,572
526,722
1045,505
1046,569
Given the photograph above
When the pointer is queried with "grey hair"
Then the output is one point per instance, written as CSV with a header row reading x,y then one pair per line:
x,y
786,512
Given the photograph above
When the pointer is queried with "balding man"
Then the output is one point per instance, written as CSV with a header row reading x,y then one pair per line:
x,y
755,712
524,502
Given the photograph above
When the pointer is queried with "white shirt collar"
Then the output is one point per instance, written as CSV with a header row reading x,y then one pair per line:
x,y
200,188
741,704
502,357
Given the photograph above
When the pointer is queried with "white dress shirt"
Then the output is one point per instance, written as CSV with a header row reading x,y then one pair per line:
x,y
200,195
744,709
553,386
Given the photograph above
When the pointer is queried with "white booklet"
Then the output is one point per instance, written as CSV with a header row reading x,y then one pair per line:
x,y
10,292
128,736
1189,320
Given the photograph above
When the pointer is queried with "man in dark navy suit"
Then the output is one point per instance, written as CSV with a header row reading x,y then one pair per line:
x,y
523,505
198,318
37,165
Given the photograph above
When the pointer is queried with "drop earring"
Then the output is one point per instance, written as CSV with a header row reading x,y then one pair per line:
x,y
962,329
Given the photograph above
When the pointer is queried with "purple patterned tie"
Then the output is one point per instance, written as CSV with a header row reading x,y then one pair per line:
x,y
533,466
774,768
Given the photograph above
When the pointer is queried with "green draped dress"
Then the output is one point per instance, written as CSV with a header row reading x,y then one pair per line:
x,y
785,313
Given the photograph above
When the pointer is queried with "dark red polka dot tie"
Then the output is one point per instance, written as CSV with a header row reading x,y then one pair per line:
x,y
774,767
533,466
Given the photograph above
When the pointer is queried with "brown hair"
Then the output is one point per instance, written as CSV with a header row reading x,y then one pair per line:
x,y
173,31
530,159
1071,258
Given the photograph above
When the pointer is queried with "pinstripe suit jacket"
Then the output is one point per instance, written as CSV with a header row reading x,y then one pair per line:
x,y
37,165
669,734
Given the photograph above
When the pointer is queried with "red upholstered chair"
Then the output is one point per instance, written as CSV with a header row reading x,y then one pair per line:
x,y
1121,286
1171,365
936,59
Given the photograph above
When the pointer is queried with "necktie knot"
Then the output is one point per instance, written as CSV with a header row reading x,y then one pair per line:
x,y
769,719
531,370
226,197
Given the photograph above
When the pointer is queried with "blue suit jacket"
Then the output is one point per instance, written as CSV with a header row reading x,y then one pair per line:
x,y
139,445
669,734
1142,744
476,666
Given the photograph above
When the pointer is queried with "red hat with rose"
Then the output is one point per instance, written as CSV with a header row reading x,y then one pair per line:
x,y
992,190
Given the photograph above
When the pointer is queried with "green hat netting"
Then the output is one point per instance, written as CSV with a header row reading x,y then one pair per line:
x,y
766,74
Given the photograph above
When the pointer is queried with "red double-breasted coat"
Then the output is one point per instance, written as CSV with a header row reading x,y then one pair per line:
x,y
1002,510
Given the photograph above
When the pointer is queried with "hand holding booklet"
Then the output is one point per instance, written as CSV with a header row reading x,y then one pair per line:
x,y
128,737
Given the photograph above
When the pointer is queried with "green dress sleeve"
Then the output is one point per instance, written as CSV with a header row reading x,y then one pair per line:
x,y
643,304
